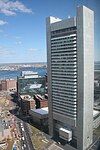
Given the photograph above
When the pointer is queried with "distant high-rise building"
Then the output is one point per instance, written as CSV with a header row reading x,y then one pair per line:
x,y
30,83
70,68
8,85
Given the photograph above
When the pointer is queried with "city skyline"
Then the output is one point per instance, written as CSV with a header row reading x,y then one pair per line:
x,y
22,27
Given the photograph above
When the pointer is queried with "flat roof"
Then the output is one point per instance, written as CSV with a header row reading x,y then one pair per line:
x,y
65,130
26,97
95,113
41,111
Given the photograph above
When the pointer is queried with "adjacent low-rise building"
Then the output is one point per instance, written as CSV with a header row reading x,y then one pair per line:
x,y
40,101
39,116
27,103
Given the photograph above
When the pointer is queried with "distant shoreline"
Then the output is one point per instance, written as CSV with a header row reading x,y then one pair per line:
x,y
23,63
45,63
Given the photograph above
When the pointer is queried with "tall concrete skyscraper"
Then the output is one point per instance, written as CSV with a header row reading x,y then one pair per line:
x,y
70,67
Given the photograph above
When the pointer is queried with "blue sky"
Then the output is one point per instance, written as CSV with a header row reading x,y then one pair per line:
x,y
23,30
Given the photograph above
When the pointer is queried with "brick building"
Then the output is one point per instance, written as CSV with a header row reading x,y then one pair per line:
x,y
27,103
40,101
8,85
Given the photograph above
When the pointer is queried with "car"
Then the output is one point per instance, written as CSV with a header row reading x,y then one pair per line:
x,y
21,124
22,129
23,138
24,145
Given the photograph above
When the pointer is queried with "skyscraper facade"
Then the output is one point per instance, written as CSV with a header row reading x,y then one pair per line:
x,y
70,67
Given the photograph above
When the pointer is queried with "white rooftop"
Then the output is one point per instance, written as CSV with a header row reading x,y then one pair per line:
x,y
29,74
65,130
95,113
42,111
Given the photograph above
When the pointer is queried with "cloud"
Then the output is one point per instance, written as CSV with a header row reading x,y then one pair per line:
x,y
2,22
17,37
32,50
18,42
6,52
10,8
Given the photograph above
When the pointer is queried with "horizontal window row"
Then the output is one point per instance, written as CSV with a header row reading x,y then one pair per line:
x,y
63,30
68,46
67,101
61,84
64,60
64,85
69,72
64,79
64,51
66,88
64,76
64,67
64,63
67,56
63,41
63,70
60,45
68,109
69,112
63,73
61,91
63,44
72,102
74,54
63,57
64,91
63,34
74,71
70,96
65,110
64,113
63,103
64,37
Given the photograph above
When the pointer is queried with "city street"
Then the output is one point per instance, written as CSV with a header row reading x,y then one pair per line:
x,y
26,143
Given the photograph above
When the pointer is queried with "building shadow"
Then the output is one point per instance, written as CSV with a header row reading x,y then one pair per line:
x,y
27,119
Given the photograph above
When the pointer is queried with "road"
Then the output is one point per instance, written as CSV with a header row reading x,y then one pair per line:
x,y
26,143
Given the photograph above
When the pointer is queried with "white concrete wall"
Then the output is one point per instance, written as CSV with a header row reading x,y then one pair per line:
x,y
85,51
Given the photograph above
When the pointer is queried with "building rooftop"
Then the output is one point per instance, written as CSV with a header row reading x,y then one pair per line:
x,y
95,113
26,97
41,111
29,74
40,98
